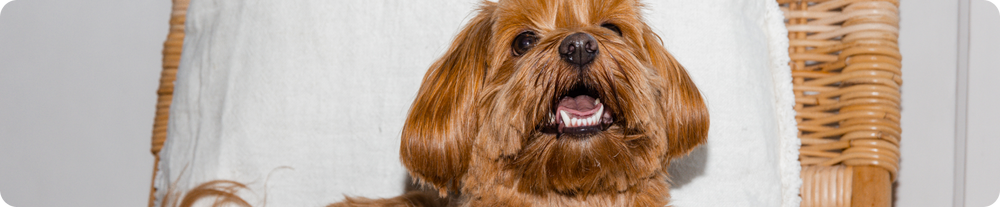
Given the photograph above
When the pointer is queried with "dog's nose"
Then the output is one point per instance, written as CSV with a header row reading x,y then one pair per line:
x,y
578,49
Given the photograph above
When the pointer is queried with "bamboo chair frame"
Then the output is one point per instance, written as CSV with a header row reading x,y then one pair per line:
x,y
171,60
846,71
846,74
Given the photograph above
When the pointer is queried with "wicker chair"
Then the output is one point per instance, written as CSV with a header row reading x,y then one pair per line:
x,y
846,77
846,73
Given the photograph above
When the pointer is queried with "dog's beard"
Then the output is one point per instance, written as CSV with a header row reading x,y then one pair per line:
x,y
602,163
524,116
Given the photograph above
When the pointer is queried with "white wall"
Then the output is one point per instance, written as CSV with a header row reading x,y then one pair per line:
x,y
77,91
78,81
982,169
928,41
951,53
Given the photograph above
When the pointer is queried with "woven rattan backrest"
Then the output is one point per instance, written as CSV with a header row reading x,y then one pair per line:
x,y
846,76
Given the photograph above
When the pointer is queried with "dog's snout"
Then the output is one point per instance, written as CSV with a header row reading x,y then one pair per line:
x,y
578,49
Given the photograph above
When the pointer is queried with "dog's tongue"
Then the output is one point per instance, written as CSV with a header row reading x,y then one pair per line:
x,y
581,105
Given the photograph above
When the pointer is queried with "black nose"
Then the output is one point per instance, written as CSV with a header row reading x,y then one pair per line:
x,y
578,49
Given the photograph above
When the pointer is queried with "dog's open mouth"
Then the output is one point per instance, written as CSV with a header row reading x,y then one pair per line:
x,y
580,112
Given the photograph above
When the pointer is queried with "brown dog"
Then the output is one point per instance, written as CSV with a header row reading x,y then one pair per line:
x,y
550,103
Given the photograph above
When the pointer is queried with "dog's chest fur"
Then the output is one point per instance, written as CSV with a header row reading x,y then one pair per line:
x,y
652,192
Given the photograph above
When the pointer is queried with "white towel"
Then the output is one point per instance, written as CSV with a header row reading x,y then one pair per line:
x,y
737,54
304,100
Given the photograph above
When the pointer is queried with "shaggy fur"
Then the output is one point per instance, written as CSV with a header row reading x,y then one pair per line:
x,y
475,128
479,132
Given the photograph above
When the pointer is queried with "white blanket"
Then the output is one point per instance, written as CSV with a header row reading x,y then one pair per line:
x,y
304,100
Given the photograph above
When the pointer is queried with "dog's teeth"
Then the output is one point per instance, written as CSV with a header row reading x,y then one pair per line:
x,y
597,101
572,122
565,118
597,116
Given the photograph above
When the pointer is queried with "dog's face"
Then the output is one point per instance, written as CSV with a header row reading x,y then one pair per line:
x,y
566,96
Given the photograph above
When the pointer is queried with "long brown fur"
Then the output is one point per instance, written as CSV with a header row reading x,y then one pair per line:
x,y
222,193
473,134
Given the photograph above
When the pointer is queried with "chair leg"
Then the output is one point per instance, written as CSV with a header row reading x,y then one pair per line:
x,y
872,187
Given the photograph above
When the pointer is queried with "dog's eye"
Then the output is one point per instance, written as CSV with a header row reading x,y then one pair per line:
x,y
523,42
612,27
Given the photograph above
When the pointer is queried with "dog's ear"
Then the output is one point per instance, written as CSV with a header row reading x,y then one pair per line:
x,y
686,113
439,129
